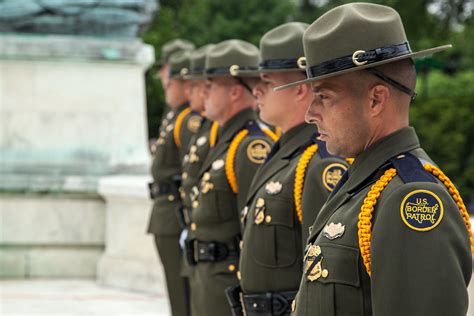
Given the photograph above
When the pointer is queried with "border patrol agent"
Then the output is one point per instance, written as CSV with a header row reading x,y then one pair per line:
x,y
167,50
275,219
394,237
175,133
225,175
206,136
200,145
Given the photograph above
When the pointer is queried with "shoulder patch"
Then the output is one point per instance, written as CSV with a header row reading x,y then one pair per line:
x,y
194,123
332,174
421,210
257,151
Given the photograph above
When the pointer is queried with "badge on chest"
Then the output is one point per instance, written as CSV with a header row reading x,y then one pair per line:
x,y
313,260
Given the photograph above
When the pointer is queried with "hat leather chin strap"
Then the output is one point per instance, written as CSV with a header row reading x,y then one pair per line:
x,y
394,83
246,86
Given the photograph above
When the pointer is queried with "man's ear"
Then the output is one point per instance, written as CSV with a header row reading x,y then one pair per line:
x,y
235,92
302,91
187,87
379,95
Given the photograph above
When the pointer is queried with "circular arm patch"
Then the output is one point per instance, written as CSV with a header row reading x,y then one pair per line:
x,y
257,151
421,210
332,174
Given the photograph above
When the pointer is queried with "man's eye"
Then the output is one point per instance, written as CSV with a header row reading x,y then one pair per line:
x,y
322,97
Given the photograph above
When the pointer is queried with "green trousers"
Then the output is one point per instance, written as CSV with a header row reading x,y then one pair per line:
x,y
178,287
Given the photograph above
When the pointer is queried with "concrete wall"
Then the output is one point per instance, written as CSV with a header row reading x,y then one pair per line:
x,y
130,260
72,110
50,236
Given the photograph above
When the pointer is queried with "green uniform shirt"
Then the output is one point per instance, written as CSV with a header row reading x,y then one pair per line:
x,y
166,169
216,214
419,265
199,147
272,249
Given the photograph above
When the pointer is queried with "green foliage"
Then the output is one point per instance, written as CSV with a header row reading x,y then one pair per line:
x,y
445,126
203,22
443,113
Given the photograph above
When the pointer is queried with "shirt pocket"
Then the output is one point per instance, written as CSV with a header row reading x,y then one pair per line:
x,y
275,238
339,292
218,204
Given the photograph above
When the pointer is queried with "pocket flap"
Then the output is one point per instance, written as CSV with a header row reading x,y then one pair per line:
x,y
281,212
342,264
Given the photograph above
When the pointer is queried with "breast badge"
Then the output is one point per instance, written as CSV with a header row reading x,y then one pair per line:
x,y
259,211
257,151
421,210
332,174
201,140
333,231
194,123
312,267
273,187
193,157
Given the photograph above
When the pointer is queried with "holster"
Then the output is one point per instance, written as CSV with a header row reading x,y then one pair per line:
x,y
189,252
233,298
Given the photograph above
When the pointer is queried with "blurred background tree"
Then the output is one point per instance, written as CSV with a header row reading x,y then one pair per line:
x,y
443,112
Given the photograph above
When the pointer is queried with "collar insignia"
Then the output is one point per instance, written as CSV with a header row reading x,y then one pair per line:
x,y
216,165
201,140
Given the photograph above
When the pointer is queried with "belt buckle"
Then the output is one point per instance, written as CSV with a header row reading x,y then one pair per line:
x,y
242,302
276,297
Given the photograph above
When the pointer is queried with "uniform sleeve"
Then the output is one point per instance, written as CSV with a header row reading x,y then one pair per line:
x,y
421,259
250,156
321,177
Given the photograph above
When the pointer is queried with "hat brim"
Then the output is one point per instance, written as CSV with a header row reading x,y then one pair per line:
x,y
194,77
248,74
422,53
261,71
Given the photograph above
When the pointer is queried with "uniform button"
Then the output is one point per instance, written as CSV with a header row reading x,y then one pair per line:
x,y
206,176
183,194
241,244
195,204
268,219
231,267
293,306
239,276
325,273
184,175
193,226
171,198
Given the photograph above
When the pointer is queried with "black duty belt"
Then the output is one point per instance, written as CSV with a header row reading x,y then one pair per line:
x,y
267,304
159,189
202,251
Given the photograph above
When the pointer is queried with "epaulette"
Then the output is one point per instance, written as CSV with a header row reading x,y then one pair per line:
x,y
253,128
410,169
256,130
